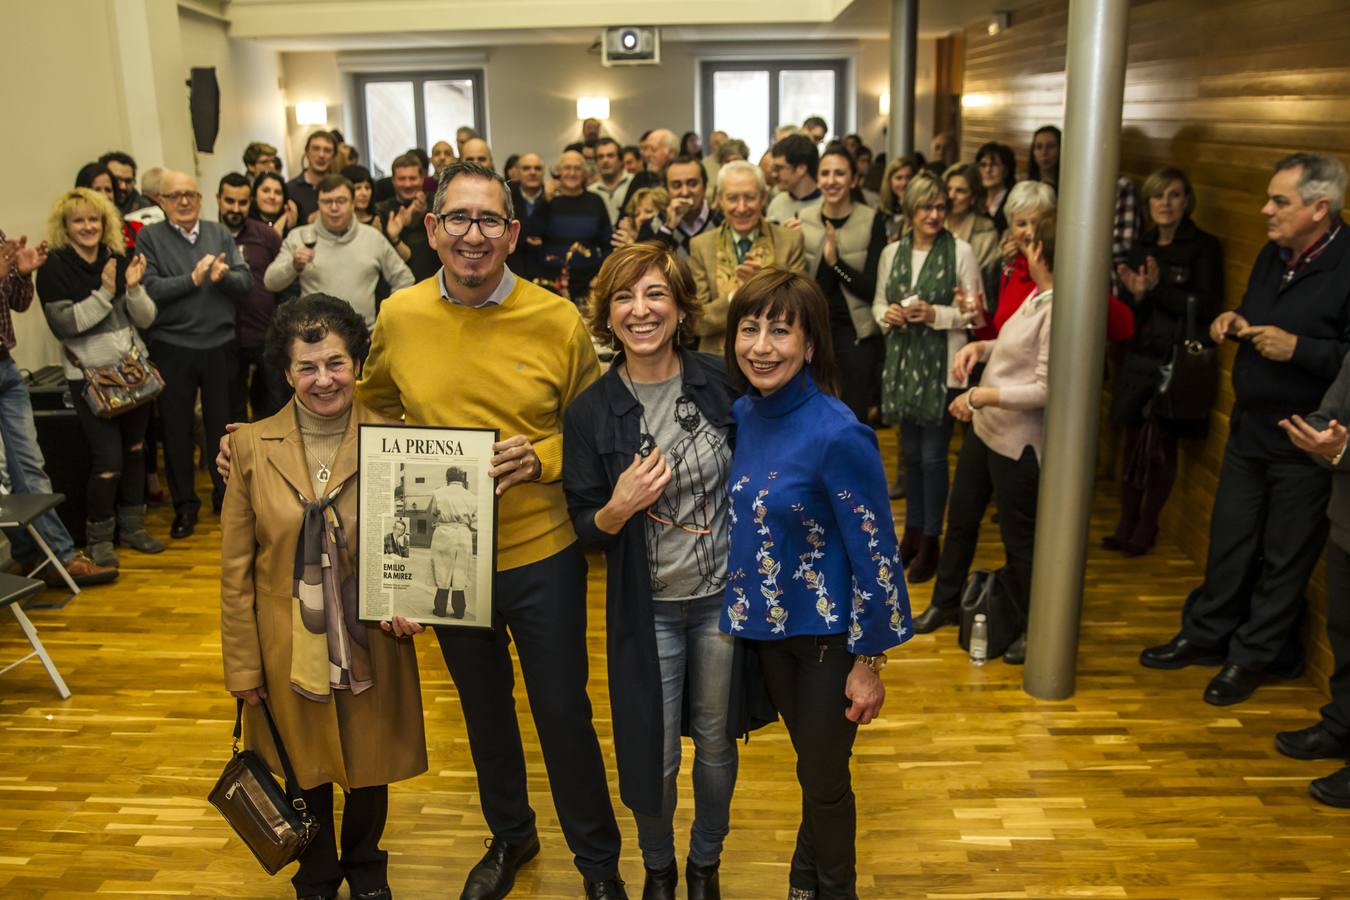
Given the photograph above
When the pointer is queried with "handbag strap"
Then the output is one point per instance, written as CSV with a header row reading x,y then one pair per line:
x,y
294,796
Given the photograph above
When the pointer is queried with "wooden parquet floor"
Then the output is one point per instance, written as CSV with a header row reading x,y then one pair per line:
x,y
967,787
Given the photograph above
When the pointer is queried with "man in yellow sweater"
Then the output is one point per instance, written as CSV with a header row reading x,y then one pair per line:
x,y
475,346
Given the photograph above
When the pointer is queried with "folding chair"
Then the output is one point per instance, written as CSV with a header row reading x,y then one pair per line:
x,y
21,511
14,589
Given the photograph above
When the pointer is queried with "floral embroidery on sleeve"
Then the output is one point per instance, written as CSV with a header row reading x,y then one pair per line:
x,y
806,570
885,575
774,613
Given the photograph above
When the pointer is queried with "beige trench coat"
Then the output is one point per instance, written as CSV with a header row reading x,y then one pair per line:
x,y
372,738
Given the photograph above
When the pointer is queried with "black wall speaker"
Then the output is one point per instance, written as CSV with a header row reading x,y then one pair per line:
x,y
204,100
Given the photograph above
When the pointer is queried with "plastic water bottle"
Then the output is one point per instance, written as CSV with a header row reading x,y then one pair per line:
x,y
979,641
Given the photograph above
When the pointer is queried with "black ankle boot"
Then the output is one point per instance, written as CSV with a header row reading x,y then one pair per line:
x,y
701,881
439,609
661,883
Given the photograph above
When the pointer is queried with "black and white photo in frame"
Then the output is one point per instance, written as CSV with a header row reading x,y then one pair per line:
x,y
428,519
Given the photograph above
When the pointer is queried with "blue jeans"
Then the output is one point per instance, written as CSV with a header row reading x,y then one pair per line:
x,y
23,461
687,637
925,449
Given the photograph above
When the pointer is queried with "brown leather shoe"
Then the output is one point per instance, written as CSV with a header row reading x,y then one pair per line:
x,y
83,571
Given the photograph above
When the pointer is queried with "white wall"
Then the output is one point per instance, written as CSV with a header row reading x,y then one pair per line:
x,y
251,107
532,91
59,116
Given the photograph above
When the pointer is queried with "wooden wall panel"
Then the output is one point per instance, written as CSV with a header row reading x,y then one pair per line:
x,y
1222,90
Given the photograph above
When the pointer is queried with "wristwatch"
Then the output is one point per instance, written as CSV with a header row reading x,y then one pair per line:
x,y
875,663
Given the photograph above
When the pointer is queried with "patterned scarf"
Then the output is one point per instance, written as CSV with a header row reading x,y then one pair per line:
x,y
328,642
914,380
761,251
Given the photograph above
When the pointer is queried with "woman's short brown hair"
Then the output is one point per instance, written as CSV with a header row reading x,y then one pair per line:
x,y
794,296
624,268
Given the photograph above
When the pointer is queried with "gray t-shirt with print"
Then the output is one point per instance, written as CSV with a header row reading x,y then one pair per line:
x,y
688,558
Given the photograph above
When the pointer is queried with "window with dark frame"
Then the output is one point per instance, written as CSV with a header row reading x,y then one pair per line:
x,y
396,111
749,99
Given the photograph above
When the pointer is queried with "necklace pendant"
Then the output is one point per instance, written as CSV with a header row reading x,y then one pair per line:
x,y
324,474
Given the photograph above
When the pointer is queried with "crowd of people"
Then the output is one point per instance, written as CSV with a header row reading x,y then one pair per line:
x,y
760,320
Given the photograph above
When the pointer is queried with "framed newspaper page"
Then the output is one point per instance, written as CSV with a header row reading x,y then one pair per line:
x,y
428,521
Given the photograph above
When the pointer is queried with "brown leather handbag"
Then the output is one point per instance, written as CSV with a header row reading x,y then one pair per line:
x,y
271,820
112,390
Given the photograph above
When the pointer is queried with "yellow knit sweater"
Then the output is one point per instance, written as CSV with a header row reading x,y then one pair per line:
x,y
514,367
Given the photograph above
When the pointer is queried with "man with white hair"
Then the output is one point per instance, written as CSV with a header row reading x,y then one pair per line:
x,y
1269,519
723,258
152,181
197,276
659,147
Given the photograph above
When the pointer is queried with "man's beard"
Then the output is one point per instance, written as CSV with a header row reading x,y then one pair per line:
x,y
232,220
471,281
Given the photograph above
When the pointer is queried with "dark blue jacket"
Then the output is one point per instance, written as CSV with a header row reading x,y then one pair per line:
x,y
1314,306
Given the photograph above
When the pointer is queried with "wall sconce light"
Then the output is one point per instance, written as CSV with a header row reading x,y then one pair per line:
x,y
999,22
593,108
311,114
885,103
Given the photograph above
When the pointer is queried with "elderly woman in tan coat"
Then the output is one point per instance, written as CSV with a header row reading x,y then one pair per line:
x,y
344,693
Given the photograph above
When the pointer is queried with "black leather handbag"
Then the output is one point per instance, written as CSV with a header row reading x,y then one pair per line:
x,y
1189,381
272,821
986,591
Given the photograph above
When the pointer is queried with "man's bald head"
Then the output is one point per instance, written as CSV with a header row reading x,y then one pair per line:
x,y
182,201
658,148
531,171
476,151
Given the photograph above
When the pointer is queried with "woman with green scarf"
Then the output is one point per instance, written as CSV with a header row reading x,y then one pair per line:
x,y
928,292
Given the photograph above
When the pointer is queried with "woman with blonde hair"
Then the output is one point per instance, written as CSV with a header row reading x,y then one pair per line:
x,y
898,174
94,301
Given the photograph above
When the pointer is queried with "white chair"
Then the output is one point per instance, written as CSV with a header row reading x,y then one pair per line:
x,y
14,589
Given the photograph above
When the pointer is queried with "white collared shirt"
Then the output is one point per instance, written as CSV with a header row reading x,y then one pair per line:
x,y
189,236
498,295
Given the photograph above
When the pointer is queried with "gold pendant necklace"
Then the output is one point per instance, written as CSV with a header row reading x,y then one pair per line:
x,y
325,472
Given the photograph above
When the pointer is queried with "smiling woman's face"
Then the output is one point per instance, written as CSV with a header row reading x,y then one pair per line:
x,y
770,352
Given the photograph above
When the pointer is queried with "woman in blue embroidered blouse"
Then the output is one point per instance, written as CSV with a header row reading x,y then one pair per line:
x,y
814,574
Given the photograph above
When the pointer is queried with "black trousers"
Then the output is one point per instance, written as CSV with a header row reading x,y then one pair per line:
x,y
1336,714
859,364
542,607
186,371
116,445
1013,484
1269,519
363,864
257,387
805,677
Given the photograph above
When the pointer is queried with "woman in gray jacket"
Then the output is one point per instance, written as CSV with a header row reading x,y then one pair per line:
x,y
93,299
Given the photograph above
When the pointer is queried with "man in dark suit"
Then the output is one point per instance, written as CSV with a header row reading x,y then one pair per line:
x,y
531,206
404,212
688,214
1268,524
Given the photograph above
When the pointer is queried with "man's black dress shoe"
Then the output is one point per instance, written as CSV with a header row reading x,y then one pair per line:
x,y
184,523
1232,685
934,617
382,894
1313,742
1178,653
1016,654
1333,790
609,889
701,881
660,884
495,874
